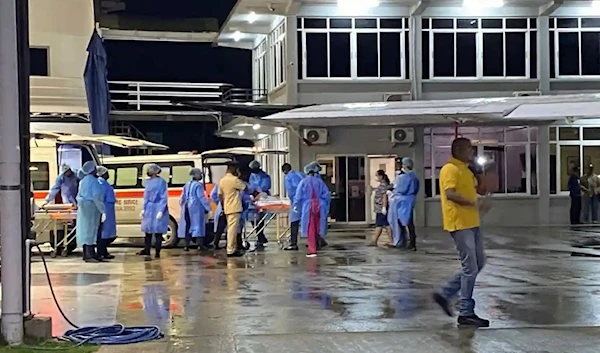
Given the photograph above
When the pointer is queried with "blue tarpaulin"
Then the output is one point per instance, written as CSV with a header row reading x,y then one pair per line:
x,y
96,86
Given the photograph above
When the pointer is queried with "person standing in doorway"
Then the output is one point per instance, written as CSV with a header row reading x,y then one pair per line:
x,y
408,190
230,188
291,180
460,213
155,212
574,186
380,201
590,187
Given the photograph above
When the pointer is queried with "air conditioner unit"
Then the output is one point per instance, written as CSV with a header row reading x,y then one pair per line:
x,y
527,93
397,97
403,135
316,136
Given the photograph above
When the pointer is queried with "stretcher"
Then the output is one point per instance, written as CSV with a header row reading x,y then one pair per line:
x,y
273,209
55,224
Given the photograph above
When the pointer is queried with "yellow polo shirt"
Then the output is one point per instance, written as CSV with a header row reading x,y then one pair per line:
x,y
230,187
457,175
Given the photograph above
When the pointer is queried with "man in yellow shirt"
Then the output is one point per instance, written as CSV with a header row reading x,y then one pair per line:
x,y
460,211
230,188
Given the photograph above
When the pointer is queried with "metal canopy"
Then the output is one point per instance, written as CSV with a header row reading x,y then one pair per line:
x,y
111,140
244,109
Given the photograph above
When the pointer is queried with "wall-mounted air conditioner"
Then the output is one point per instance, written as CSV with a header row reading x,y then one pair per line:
x,y
403,135
316,136
397,97
527,93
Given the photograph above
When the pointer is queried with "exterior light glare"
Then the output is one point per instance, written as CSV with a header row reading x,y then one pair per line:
x,y
251,17
482,4
237,35
358,4
240,133
481,160
596,4
256,126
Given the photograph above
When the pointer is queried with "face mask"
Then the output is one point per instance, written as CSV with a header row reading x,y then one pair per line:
x,y
398,172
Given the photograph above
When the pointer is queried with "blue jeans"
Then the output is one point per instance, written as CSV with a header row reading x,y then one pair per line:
x,y
590,207
469,244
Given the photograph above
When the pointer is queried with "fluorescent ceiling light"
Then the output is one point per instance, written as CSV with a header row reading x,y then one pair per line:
x,y
256,126
358,4
240,133
237,35
482,4
251,17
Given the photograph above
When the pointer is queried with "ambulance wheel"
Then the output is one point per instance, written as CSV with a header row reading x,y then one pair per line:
x,y
170,239
246,245
65,252
53,254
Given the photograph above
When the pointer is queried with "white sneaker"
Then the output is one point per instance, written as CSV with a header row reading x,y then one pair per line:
x,y
311,255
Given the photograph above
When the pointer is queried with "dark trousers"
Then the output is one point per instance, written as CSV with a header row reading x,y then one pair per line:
x,y
260,224
221,226
158,238
575,211
412,234
101,244
294,229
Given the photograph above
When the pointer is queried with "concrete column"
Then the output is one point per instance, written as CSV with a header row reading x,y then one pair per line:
x,y
543,174
291,54
543,54
415,57
294,149
419,168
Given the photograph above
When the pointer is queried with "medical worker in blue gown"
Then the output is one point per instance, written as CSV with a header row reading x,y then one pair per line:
x,y
107,232
408,189
66,186
291,181
398,232
90,211
194,211
260,182
155,212
312,199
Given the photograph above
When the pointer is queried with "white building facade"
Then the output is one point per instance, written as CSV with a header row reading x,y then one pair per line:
x,y
317,52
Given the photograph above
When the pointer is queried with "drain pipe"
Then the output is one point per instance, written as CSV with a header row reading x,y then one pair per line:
x,y
29,244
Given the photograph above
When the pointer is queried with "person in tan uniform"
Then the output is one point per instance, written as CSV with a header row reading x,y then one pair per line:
x,y
230,188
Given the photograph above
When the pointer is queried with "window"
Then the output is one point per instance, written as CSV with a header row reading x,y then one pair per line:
x,y
40,175
127,177
260,70
572,147
180,175
479,48
574,47
510,152
111,177
277,56
353,48
38,61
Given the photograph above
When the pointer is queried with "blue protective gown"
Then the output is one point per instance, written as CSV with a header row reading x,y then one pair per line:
x,y
261,182
291,182
109,227
66,186
90,206
408,189
155,200
302,199
392,216
194,201
214,195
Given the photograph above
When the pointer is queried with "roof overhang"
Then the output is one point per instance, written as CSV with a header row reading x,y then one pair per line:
x,y
158,36
250,129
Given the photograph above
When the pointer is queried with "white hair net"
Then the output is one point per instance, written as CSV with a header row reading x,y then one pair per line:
x,y
64,168
407,161
154,169
196,173
254,165
101,170
312,167
88,168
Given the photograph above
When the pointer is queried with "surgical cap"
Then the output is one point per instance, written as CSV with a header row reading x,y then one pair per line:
x,y
312,167
88,168
154,169
196,173
101,170
407,161
64,168
254,165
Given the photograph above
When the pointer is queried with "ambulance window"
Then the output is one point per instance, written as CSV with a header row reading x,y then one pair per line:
x,y
166,174
40,175
127,177
180,174
111,176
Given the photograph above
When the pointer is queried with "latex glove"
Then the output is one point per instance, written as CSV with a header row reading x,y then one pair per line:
x,y
142,214
384,211
159,215
103,218
295,209
210,215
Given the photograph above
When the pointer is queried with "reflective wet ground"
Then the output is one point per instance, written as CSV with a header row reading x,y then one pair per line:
x,y
541,294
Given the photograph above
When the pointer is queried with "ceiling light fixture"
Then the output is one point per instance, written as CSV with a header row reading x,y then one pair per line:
x,y
358,4
251,17
482,4
237,35
240,133
255,126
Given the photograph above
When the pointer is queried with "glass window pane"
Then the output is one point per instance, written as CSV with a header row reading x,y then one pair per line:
x,y
489,135
181,175
568,133
367,55
516,23
466,55
38,61
40,175
425,23
425,57
569,159
491,23
390,54
493,54
515,54
591,157
442,23
552,133
390,23
443,54
407,42
300,55
365,23
516,134
315,23
590,53
467,23
590,22
441,157
568,54
111,177
339,54
316,54
299,23
567,23
591,133
533,23
553,167
552,55
127,176
340,23
533,55
516,175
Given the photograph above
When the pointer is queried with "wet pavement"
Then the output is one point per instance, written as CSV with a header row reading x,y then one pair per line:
x,y
537,294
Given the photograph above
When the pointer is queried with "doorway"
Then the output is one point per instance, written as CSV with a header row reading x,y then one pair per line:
x,y
347,180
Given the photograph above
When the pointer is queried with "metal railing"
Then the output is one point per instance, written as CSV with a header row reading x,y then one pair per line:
x,y
235,95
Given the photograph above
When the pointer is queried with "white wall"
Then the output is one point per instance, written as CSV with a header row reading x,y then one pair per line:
x,y
64,27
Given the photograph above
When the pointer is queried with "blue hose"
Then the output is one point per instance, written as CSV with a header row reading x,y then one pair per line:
x,y
102,335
